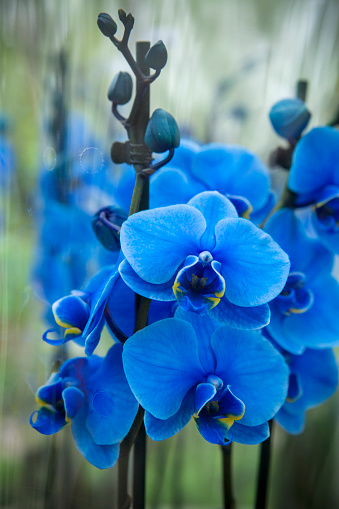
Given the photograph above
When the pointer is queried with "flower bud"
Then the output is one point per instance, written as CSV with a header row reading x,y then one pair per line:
x,y
106,224
106,24
162,132
156,56
120,90
289,117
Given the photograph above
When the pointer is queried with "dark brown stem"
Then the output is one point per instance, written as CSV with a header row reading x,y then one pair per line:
x,y
124,500
59,128
142,313
121,336
263,475
301,89
155,167
117,114
136,127
140,181
229,502
128,22
51,473
139,469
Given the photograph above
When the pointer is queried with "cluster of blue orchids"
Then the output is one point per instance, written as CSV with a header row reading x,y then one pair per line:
x,y
72,187
240,290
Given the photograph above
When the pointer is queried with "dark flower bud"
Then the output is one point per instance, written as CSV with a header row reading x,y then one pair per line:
x,y
120,90
289,117
106,224
106,24
122,15
156,56
162,132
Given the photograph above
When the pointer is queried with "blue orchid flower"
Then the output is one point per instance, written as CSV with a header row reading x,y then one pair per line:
x,y
233,171
197,368
206,257
302,315
313,379
88,169
92,395
67,251
314,175
81,314
61,261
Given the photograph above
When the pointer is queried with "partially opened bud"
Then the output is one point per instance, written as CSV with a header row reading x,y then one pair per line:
x,y
162,132
106,24
106,224
120,90
289,117
156,56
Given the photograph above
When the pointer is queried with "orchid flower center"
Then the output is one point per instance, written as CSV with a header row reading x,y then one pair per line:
x,y
220,408
328,215
199,285
295,297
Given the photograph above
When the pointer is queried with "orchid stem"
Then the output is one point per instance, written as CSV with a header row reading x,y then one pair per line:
x,y
124,500
137,123
51,473
139,469
229,502
264,467
142,305
121,336
139,185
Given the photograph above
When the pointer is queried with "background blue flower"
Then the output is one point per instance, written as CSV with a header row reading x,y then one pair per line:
x,y
313,379
314,175
303,315
233,171
93,395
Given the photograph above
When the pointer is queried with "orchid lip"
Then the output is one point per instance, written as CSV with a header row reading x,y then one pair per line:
x,y
199,286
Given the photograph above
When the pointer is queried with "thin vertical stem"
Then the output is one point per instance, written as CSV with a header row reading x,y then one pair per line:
x,y
263,475
139,469
140,201
301,89
140,182
229,502
59,124
124,500
51,473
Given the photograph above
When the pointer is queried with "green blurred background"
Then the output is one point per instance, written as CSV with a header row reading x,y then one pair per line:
x,y
229,60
